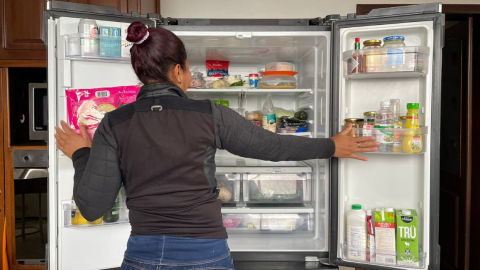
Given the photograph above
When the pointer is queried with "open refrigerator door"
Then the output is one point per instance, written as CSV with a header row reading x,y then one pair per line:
x,y
397,190
71,238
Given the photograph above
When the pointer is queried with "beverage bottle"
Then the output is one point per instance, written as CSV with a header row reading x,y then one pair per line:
x,y
412,139
89,43
268,117
113,215
356,233
370,237
397,134
358,58
384,125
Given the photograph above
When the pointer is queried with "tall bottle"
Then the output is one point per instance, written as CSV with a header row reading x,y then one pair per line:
x,y
384,125
268,117
412,139
397,134
89,43
356,233
358,57
113,215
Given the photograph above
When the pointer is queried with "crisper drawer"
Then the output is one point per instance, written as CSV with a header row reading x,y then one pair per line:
x,y
274,188
268,223
228,185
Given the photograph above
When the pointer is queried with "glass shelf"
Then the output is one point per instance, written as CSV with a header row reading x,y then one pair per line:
x,y
249,91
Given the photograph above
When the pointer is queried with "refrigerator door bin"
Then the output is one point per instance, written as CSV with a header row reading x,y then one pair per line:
x,y
368,257
386,62
74,219
277,188
269,223
228,185
82,46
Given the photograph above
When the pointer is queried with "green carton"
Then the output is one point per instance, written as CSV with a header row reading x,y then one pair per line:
x,y
407,238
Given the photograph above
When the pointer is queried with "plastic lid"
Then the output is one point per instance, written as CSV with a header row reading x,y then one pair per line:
x,y
253,75
351,120
384,103
403,118
406,212
357,40
372,41
371,113
356,207
413,106
394,38
394,100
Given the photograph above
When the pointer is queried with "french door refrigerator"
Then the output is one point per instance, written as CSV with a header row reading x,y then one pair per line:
x,y
279,215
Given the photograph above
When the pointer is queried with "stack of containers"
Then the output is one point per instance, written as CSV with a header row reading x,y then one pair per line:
x,y
278,75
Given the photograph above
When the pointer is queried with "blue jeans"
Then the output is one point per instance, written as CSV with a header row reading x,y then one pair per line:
x,y
175,253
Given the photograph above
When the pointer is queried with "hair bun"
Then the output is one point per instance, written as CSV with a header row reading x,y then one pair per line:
x,y
136,32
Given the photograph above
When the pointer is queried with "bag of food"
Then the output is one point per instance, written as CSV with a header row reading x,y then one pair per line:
x,y
89,106
217,68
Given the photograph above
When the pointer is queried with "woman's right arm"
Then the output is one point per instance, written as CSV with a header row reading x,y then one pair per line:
x,y
240,137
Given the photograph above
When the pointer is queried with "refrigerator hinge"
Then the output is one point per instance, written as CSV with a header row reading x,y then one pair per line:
x,y
329,19
316,21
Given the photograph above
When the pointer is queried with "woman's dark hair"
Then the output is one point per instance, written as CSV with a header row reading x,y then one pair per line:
x,y
153,58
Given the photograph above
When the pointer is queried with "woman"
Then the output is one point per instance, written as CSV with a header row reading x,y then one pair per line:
x,y
162,148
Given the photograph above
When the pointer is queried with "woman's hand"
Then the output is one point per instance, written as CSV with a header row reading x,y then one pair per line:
x,y
68,141
346,147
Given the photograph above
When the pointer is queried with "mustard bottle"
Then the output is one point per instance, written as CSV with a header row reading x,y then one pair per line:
x,y
77,218
412,137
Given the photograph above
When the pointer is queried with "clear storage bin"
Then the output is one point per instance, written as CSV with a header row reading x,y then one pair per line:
x,y
73,218
277,82
264,223
277,188
229,187
409,61
404,141
83,45
412,260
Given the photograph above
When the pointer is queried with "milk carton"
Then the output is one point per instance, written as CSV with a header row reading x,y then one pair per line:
x,y
407,238
385,236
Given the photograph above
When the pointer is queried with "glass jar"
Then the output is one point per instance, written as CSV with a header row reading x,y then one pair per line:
x,y
354,131
395,59
403,119
368,123
372,55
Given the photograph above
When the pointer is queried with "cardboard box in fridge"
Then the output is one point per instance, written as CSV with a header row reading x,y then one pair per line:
x,y
407,238
385,235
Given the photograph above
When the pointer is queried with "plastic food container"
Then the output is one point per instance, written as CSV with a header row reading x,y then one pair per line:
x,y
228,185
253,115
277,188
279,66
277,82
268,223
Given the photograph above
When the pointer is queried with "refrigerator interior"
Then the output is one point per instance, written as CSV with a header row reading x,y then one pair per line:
x,y
399,181
309,51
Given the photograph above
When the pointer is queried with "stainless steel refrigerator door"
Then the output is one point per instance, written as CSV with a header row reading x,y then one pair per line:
x,y
429,14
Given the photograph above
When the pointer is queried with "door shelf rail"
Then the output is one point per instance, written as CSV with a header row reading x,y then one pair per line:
x,y
84,47
74,219
369,257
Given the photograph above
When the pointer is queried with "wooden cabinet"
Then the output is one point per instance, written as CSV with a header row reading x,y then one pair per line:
x,y
22,24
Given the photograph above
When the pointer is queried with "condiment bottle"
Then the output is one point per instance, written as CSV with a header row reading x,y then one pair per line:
x,y
397,134
76,216
368,123
358,58
412,139
395,59
373,55
354,123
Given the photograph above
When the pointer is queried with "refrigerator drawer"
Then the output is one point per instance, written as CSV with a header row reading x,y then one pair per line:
x,y
228,185
268,223
277,188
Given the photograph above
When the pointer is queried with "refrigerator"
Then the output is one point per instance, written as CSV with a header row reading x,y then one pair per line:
x,y
279,215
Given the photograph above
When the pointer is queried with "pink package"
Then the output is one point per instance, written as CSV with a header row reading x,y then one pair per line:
x,y
89,106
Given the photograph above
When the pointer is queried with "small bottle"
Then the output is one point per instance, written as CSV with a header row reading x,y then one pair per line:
x,y
76,216
356,233
113,215
370,237
268,117
397,134
358,57
384,126
89,43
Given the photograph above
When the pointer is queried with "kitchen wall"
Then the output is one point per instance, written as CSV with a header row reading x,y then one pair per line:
x,y
275,8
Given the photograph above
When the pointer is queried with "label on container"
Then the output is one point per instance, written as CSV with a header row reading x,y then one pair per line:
x,y
384,134
355,240
115,213
269,122
368,130
416,143
395,57
253,82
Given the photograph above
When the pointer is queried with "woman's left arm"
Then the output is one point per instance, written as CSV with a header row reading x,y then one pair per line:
x,y
98,176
